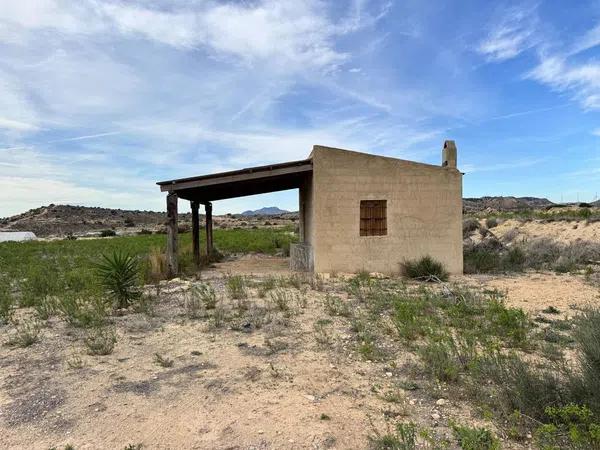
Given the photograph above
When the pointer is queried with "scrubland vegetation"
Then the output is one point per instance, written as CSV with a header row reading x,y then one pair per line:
x,y
527,380
484,252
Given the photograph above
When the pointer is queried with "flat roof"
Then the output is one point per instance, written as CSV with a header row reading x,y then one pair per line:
x,y
238,183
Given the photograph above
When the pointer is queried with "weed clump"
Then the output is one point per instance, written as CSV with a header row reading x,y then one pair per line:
x,y
469,226
82,312
100,340
335,306
163,361
200,297
6,302
425,268
475,438
402,437
26,333
236,287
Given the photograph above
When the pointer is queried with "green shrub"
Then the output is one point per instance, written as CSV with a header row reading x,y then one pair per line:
x,y
26,333
206,294
404,437
571,427
236,287
6,302
266,285
478,260
409,318
361,286
542,253
514,259
439,361
335,306
491,222
511,324
587,337
119,274
523,388
40,283
282,299
45,307
470,224
89,311
475,438
100,340
425,268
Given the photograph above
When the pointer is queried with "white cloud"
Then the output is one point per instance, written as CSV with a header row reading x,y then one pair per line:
x,y
522,163
291,35
16,125
589,40
27,193
582,79
512,34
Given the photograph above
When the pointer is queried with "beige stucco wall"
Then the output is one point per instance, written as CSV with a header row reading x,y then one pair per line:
x,y
424,212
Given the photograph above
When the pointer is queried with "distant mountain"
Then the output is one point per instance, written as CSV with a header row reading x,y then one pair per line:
x,y
268,211
505,203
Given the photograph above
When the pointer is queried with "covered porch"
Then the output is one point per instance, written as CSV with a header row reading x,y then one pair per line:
x,y
205,189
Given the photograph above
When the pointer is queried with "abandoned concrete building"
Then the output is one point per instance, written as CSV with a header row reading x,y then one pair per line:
x,y
357,211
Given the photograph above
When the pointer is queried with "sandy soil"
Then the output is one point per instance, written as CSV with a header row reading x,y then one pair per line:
x,y
536,291
277,387
562,231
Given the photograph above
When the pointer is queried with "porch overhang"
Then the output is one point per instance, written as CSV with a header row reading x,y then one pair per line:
x,y
239,183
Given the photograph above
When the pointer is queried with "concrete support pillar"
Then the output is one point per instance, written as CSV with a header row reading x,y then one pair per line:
x,y
195,232
172,230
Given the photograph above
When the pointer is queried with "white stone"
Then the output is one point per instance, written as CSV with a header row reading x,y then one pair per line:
x,y
441,402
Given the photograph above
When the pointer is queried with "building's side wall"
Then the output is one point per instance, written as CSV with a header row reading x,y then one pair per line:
x,y
424,212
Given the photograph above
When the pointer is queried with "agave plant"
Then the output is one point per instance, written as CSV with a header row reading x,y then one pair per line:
x,y
119,275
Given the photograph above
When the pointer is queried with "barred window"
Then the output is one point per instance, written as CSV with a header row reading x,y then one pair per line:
x,y
373,217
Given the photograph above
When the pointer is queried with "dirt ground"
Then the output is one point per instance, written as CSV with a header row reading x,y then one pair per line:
x,y
276,387
562,231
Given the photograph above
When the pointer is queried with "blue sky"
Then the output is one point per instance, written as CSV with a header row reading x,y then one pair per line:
x,y
101,99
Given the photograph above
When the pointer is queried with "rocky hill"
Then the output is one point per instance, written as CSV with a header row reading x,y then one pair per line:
x,y
57,220
505,203
62,220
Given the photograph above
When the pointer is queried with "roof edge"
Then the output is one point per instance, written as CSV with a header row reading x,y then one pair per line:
x,y
246,170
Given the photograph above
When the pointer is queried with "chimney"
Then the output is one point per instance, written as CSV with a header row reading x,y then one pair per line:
x,y
449,154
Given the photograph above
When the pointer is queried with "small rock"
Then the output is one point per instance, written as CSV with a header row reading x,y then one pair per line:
x,y
436,416
441,402
312,398
388,374
529,436
260,431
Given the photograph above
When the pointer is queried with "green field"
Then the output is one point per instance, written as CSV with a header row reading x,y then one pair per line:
x,y
39,268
